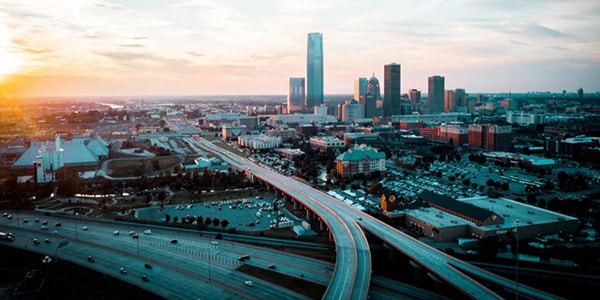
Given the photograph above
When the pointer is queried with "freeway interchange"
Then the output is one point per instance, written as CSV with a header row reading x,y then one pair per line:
x,y
343,222
195,267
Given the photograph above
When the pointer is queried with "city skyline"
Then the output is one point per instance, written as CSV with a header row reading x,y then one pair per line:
x,y
111,48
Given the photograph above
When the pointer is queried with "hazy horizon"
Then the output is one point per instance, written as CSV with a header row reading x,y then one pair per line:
x,y
204,47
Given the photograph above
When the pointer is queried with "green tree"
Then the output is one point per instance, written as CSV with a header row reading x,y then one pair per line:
x,y
224,223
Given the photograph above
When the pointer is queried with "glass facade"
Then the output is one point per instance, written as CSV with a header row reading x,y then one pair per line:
x,y
314,70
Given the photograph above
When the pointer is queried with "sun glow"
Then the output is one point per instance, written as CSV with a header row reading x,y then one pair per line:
x,y
9,60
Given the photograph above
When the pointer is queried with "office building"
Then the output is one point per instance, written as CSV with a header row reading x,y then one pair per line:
x,y
490,137
314,71
373,95
460,97
360,90
415,96
449,102
351,111
296,95
435,94
391,94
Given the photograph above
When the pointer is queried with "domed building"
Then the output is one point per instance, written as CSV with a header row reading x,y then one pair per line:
x,y
373,94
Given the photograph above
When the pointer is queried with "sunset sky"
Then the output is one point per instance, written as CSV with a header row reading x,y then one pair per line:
x,y
160,47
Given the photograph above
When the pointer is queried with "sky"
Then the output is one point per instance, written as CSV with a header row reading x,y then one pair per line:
x,y
237,47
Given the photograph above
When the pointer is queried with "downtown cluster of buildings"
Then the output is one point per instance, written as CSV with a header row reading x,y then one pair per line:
x,y
305,94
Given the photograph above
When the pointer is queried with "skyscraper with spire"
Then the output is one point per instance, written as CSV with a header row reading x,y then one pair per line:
x,y
314,70
373,95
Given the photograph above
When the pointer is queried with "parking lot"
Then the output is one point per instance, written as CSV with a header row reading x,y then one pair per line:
x,y
250,214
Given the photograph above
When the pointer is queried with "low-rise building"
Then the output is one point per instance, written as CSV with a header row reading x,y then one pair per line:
x,y
360,160
259,142
323,143
447,219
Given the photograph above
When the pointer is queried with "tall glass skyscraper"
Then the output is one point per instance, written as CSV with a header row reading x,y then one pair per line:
x,y
435,94
391,94
314,70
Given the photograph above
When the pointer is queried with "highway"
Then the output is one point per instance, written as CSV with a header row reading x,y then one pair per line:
x,y
450,270
192,268
352,274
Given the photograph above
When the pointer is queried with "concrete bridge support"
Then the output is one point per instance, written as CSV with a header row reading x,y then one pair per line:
x,y
309,214
439,285
419,272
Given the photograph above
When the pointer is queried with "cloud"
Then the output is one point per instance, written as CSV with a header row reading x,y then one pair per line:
x,y
139,37
111,6
23,46
195,53
131,45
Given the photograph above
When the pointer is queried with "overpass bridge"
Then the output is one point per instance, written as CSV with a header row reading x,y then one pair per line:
x,y
464,277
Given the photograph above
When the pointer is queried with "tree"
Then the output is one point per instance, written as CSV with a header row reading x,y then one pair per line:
x,y
224,223
167,218
207,221
216,222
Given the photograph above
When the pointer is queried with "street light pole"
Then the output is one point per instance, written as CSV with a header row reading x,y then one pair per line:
x,y
47,260
76,224
517,264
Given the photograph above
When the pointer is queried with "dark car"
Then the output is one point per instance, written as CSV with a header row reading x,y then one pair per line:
x,y
36,241
244,258
57,224
91,259
135,236
148,266
173,241
145,278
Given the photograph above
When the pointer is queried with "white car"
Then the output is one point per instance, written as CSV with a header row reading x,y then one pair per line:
x,y
249,283
214,242
147,231
116,232
84,228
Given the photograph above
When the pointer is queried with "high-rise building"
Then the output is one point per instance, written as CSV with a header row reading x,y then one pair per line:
x,y
449,101
414,95
314,70
360,90
460,97
373,95
296,95
435,94
391,94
